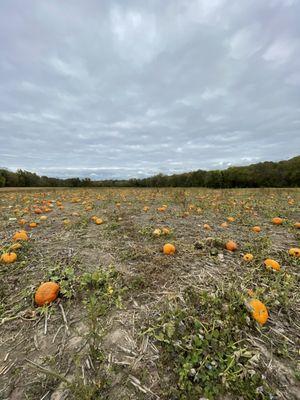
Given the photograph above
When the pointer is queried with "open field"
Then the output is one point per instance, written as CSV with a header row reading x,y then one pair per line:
x,y
132,322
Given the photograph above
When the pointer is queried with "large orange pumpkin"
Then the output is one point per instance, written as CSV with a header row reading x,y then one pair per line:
x,y
46,293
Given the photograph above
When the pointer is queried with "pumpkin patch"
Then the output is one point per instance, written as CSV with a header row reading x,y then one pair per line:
x,y
185,271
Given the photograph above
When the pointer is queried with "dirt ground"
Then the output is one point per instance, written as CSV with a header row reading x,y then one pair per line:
x,y
131,322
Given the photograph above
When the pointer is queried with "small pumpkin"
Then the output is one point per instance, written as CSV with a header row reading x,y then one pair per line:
x,y
169,249
32,225
272,264
98,221
231,245
230,219
294,251
43,217
8,258
46,293
258,311
15,246
224,224
157,232
297,225
277,221
165,231
207,227
256,229
20,235
248,257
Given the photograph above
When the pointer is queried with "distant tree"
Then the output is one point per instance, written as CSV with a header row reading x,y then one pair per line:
x,y
2,181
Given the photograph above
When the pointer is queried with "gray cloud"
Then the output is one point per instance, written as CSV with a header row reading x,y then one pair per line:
x,y
128,88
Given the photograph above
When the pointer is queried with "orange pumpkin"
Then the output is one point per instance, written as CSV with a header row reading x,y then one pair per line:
x,y
248,257
258,311
294,251
98,221
20,235
277,221
224,225
46,293
33,225
231,245
297,225
272,264
169,249
206,226
256,229
8,258
230,219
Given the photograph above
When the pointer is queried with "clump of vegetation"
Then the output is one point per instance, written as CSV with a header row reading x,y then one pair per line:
x,y
203,340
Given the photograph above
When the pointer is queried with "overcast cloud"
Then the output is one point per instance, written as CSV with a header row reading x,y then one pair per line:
x,y
131,88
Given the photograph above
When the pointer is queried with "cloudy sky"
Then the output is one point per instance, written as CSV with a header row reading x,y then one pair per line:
x,y
122,88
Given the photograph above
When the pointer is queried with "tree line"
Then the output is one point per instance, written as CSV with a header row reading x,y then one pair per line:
x,y
265,174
